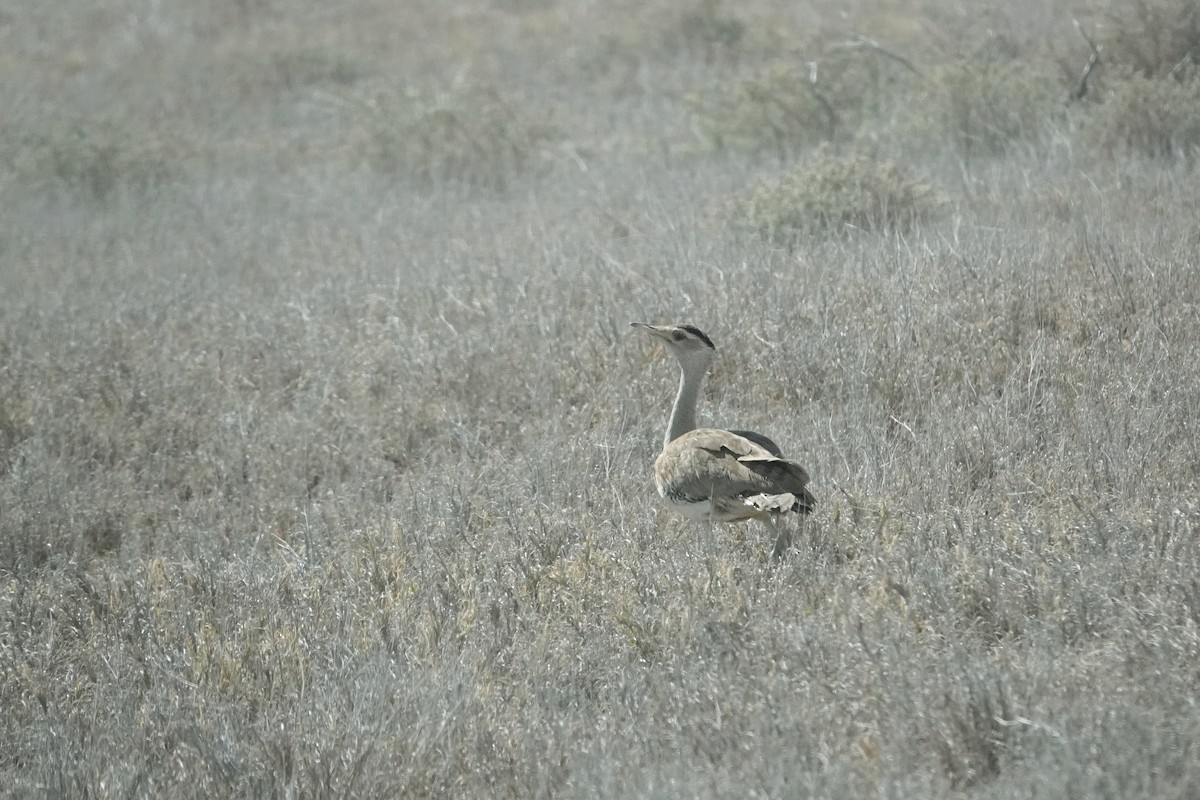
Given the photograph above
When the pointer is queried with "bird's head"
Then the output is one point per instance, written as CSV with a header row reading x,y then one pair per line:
x,y
686,342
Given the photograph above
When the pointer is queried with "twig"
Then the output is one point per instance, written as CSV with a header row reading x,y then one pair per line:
x,y
1081,88
1183,62
859,39
826,106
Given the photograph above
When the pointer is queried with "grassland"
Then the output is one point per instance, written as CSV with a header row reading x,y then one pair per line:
x,y
325,448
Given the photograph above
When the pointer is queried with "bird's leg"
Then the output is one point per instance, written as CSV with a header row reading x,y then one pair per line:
x,y
710,553
783,539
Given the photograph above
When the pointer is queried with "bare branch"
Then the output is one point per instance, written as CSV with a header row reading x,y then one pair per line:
x,y
1081,87
858,40
822,100
1183,62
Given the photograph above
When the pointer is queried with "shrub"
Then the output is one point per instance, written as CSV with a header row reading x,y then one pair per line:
x,y
314,66
1157,117
776,109
832,193
1151,37
470,134
707,29
95,157
791,105
981,107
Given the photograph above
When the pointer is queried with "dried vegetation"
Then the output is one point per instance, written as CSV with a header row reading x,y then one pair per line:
x,y
324,451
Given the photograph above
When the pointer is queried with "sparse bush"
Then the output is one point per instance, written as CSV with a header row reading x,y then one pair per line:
x,y
831,193
314,66
1152,116
789,106
707,28
95,157
981,107
1153,38
777,109
476,135
639,32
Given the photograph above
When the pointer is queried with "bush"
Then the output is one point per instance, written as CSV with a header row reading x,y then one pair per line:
x,y
470,134
791,105
1156,117
982,107
706,29
832,193
95,157
776,109
313,67
1151,37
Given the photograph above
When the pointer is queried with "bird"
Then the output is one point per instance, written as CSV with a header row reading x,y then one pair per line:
x,y
720,475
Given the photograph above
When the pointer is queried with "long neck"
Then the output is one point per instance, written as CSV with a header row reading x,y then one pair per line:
x,y
683,414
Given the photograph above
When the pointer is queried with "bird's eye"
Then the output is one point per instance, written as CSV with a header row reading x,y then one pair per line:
x,y
677,336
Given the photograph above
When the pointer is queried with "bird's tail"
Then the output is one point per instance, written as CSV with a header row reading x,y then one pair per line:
x,y
801,503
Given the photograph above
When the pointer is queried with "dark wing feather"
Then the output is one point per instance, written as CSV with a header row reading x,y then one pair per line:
x,y
761,441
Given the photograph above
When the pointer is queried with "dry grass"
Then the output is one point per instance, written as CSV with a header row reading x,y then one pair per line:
x,y
319,478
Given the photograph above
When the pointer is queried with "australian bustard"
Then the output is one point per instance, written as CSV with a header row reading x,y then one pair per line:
x,y
718,475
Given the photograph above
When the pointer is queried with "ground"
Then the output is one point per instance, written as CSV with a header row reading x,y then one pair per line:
x,y
325,446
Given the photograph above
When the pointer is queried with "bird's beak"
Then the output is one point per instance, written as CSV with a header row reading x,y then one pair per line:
x,y
651,329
